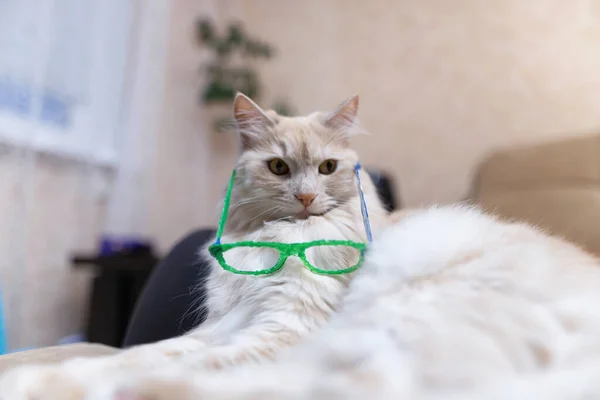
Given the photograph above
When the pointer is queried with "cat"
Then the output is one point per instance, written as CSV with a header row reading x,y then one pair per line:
x,y
451,303
295,182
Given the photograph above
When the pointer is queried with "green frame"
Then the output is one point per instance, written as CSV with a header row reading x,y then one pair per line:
x,y
287,250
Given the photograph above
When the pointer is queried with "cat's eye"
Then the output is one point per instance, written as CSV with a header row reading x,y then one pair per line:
x,y
328,167
278,166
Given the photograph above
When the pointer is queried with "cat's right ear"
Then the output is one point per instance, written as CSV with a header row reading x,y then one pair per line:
x,y
251,120
344,117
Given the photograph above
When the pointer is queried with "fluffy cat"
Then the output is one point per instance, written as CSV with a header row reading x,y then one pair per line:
x,y
295,182
450,304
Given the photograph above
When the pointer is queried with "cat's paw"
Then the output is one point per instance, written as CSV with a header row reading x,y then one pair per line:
x,y
41,382
72,380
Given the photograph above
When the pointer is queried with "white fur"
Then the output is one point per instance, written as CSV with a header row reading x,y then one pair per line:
x,y
451,304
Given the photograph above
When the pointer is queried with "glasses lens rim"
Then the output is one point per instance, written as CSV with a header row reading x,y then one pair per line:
x,y
340,271
220,250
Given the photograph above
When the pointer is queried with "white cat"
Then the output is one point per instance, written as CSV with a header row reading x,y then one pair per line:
x,y
450,304
295,182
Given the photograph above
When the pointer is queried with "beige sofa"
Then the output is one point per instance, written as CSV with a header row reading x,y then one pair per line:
x,y
555,186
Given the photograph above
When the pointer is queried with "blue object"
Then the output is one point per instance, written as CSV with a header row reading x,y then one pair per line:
x,y
76,338
363,204
116,244
2,328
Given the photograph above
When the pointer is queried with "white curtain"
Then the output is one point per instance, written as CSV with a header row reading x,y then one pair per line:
x,y
56,33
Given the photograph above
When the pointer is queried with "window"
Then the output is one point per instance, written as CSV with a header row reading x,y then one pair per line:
x,y
62,71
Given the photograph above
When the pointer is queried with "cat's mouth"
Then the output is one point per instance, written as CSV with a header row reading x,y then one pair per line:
x,y
305,214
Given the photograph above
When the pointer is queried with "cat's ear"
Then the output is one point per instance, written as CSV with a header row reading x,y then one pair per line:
x,y
251,120
344,118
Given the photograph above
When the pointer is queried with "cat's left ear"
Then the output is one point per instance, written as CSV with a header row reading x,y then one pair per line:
x,y
344,118
252,122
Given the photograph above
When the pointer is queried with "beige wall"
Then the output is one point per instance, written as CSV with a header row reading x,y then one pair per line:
x,y
181,170
441,82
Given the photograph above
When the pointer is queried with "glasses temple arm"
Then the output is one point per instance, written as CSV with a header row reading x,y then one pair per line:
x,y
363,204
225,211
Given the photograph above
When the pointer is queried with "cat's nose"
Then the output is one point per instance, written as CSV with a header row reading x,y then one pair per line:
x,y
306,198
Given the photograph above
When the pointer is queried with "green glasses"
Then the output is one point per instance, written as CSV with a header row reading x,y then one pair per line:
x,y
328,257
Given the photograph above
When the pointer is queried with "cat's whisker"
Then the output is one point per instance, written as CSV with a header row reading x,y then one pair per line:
x,y
254,207
255,199
287,217
278,209
275,208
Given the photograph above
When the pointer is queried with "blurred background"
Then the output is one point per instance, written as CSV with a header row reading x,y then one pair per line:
x,y
111,147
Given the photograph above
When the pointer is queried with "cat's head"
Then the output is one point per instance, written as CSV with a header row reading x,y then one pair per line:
x,y
294,166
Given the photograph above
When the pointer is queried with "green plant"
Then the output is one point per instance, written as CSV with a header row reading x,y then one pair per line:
x,y
230,70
